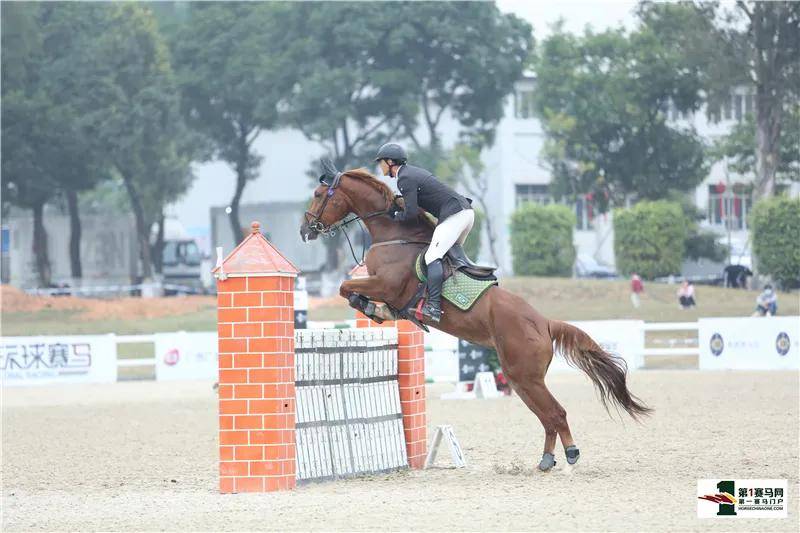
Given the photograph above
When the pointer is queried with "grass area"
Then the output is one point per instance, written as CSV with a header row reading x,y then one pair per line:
x,y
54,322
568,299
558,298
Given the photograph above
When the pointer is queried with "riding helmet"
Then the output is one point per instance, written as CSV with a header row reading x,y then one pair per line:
x,y
392,151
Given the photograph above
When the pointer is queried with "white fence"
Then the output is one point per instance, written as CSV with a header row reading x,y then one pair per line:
x,y
755,343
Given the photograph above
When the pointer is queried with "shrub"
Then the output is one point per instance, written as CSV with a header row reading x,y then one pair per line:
x,y
541,240
650,238
776,239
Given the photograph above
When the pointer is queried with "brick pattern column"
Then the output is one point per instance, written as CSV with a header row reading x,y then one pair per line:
x,y
411,378
256,376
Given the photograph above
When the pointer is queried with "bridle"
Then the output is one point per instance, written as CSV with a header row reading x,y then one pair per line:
x,y
315,222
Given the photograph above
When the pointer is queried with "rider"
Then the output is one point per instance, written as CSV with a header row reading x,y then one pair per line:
x,y
420,188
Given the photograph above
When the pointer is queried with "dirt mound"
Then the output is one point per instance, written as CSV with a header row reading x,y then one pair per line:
x,y
13,300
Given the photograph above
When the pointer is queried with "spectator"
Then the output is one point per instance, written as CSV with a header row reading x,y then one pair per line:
x,y
686,295
637,287
736,276
767,303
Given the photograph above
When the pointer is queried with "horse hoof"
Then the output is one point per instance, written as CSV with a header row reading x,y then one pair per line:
x,y
573,454
548,461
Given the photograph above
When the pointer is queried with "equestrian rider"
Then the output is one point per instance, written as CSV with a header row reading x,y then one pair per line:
x,y
420,188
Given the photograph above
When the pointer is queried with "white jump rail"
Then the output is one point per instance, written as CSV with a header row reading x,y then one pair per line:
x,y
673,351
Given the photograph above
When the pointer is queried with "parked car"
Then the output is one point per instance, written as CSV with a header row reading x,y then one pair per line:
x,y
587,266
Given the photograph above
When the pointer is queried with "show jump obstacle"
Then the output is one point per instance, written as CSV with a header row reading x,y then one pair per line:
x,y
311,404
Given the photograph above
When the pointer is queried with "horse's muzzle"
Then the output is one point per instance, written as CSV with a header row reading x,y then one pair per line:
x,y
307,233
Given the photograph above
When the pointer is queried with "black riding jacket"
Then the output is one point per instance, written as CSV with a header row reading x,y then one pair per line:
x,y
421,189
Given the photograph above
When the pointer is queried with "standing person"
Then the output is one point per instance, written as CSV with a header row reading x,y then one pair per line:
x,y
420,188
735,276
686,295
637,287
767,302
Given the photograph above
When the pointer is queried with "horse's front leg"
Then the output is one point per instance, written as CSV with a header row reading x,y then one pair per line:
x,y
362,293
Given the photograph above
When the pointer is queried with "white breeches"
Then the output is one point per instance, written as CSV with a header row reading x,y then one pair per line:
x,y
454,229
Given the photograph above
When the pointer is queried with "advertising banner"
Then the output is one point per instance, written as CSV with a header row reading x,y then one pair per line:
x,y
749,343
620,337
58,359
185,356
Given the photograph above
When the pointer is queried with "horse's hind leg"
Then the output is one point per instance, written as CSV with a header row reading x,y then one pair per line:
x,y
527,374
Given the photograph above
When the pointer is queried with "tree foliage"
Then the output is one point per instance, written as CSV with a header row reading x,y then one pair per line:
x,y
776,228
137,121
753,44
541,240
233,70
741,150
602,99
462,58
650,239
46,150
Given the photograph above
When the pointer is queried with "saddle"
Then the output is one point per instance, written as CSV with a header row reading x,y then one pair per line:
x,y
464,281
456,260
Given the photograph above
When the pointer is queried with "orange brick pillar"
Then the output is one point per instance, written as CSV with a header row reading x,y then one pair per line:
x,y
411,380
255,286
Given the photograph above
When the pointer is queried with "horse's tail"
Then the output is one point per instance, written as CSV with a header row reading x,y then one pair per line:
x,y
607,371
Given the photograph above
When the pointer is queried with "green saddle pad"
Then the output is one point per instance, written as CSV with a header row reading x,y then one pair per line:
x,y
459,289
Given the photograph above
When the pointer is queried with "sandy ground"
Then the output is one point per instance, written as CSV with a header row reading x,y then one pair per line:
x,y
142,456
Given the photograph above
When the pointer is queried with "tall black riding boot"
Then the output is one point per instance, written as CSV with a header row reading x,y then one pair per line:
x,y
433,305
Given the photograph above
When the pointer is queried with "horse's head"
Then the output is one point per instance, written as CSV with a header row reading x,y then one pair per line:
x,y
340,193
329,206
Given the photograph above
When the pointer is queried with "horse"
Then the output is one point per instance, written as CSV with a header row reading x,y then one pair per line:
x,y
523,338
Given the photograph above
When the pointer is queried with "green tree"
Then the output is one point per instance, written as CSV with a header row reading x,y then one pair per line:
x,y
69,29
601,98
650,239
755,44
541,240
234,71
776,239
27,181
45,151
462,58
741,150
137,121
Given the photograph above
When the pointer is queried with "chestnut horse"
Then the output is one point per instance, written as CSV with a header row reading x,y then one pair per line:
x,y
523,338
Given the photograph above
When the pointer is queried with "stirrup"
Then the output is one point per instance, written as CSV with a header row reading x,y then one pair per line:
x,y
434,314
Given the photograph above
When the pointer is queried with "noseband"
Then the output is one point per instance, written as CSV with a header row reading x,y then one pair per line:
x,y
315,222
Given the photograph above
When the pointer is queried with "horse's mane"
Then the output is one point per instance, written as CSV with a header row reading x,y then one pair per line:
x,y
365,176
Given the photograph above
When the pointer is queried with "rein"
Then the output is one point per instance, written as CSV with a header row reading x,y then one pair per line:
x,y
396,241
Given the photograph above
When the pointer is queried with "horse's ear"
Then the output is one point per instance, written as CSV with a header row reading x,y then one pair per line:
x,y
323,179
328,168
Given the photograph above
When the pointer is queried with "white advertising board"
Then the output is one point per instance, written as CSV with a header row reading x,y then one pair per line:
x,y
58,359
749,343
182,355
441,356
624,338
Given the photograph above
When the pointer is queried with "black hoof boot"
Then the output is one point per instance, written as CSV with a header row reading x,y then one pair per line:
x,y
573,454
548,461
